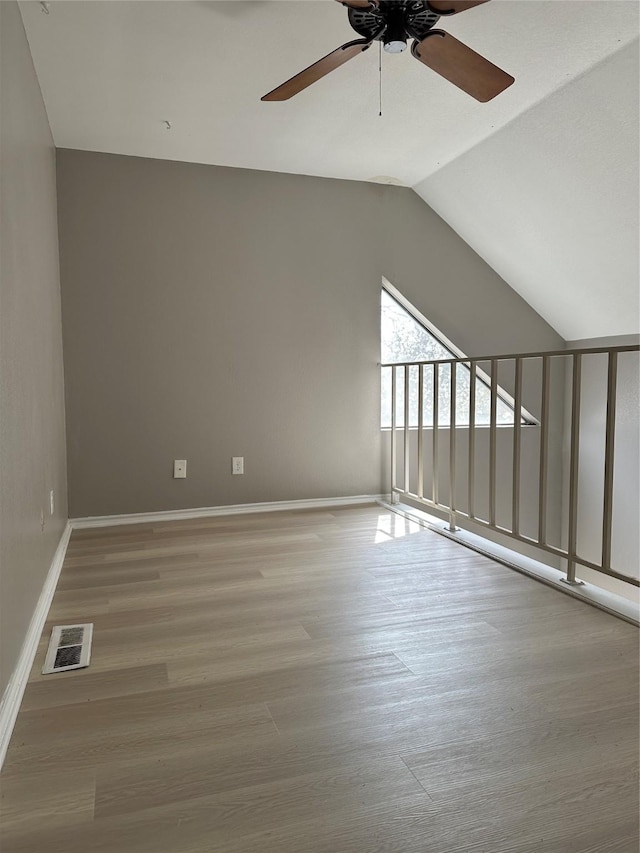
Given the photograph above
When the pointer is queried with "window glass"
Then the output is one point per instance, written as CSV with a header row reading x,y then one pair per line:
x,y
403,338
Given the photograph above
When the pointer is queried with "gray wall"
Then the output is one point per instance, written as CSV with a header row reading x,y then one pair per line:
x,y
211,312
32,444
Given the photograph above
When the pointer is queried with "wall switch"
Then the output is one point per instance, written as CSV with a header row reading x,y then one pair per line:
x,y
51,502
179,469
237,464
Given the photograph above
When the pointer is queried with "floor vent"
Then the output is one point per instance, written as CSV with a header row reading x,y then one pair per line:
x,y
69,648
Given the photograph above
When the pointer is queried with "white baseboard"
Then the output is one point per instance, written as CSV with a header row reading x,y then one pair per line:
x,y
10,704
212,511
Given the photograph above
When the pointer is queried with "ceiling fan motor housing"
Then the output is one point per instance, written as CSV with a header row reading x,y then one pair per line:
x,y
393,21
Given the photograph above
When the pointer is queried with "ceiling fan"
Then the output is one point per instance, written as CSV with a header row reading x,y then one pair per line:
x,y
392,22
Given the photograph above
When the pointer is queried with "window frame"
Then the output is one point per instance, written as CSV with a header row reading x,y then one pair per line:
x,y
526,418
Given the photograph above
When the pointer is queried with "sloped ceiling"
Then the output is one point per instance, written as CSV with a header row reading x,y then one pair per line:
x,y
551,202
112,73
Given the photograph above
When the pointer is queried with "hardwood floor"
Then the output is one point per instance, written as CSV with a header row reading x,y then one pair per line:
x,y
322,682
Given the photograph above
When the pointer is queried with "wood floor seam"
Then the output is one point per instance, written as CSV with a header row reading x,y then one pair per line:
x,y
417,780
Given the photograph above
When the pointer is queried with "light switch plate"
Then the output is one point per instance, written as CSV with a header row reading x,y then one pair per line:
x,y
179,469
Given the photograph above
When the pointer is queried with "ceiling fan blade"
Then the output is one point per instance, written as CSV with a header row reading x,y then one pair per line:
x,y
319,69
452,7
362,4
461,66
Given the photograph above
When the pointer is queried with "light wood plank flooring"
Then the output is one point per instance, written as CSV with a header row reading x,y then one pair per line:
x,y
322,682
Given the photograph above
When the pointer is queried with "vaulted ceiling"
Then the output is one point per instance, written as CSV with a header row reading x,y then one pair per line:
x,y
542,181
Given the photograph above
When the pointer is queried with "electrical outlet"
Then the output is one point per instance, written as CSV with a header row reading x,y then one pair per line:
x,y
179,469
237,464
51,502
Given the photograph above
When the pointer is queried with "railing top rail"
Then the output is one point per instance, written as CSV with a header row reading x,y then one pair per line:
x,y
478,358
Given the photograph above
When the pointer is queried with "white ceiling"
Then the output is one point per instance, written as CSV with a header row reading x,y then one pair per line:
x,y
112,72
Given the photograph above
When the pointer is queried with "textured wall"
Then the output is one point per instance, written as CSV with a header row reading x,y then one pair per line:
x,y
211,312
32,444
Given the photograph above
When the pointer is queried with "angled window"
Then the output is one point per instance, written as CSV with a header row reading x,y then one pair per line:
x,y
403,338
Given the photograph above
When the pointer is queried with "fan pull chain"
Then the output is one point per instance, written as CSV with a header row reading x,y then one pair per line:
x,y
380,75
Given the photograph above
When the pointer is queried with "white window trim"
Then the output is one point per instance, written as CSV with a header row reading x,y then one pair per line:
x,y
527,418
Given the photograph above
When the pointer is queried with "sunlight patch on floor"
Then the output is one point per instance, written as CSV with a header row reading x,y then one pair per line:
x,y
395,527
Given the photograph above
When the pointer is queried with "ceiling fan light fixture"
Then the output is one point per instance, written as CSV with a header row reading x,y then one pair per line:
x,y
396,46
